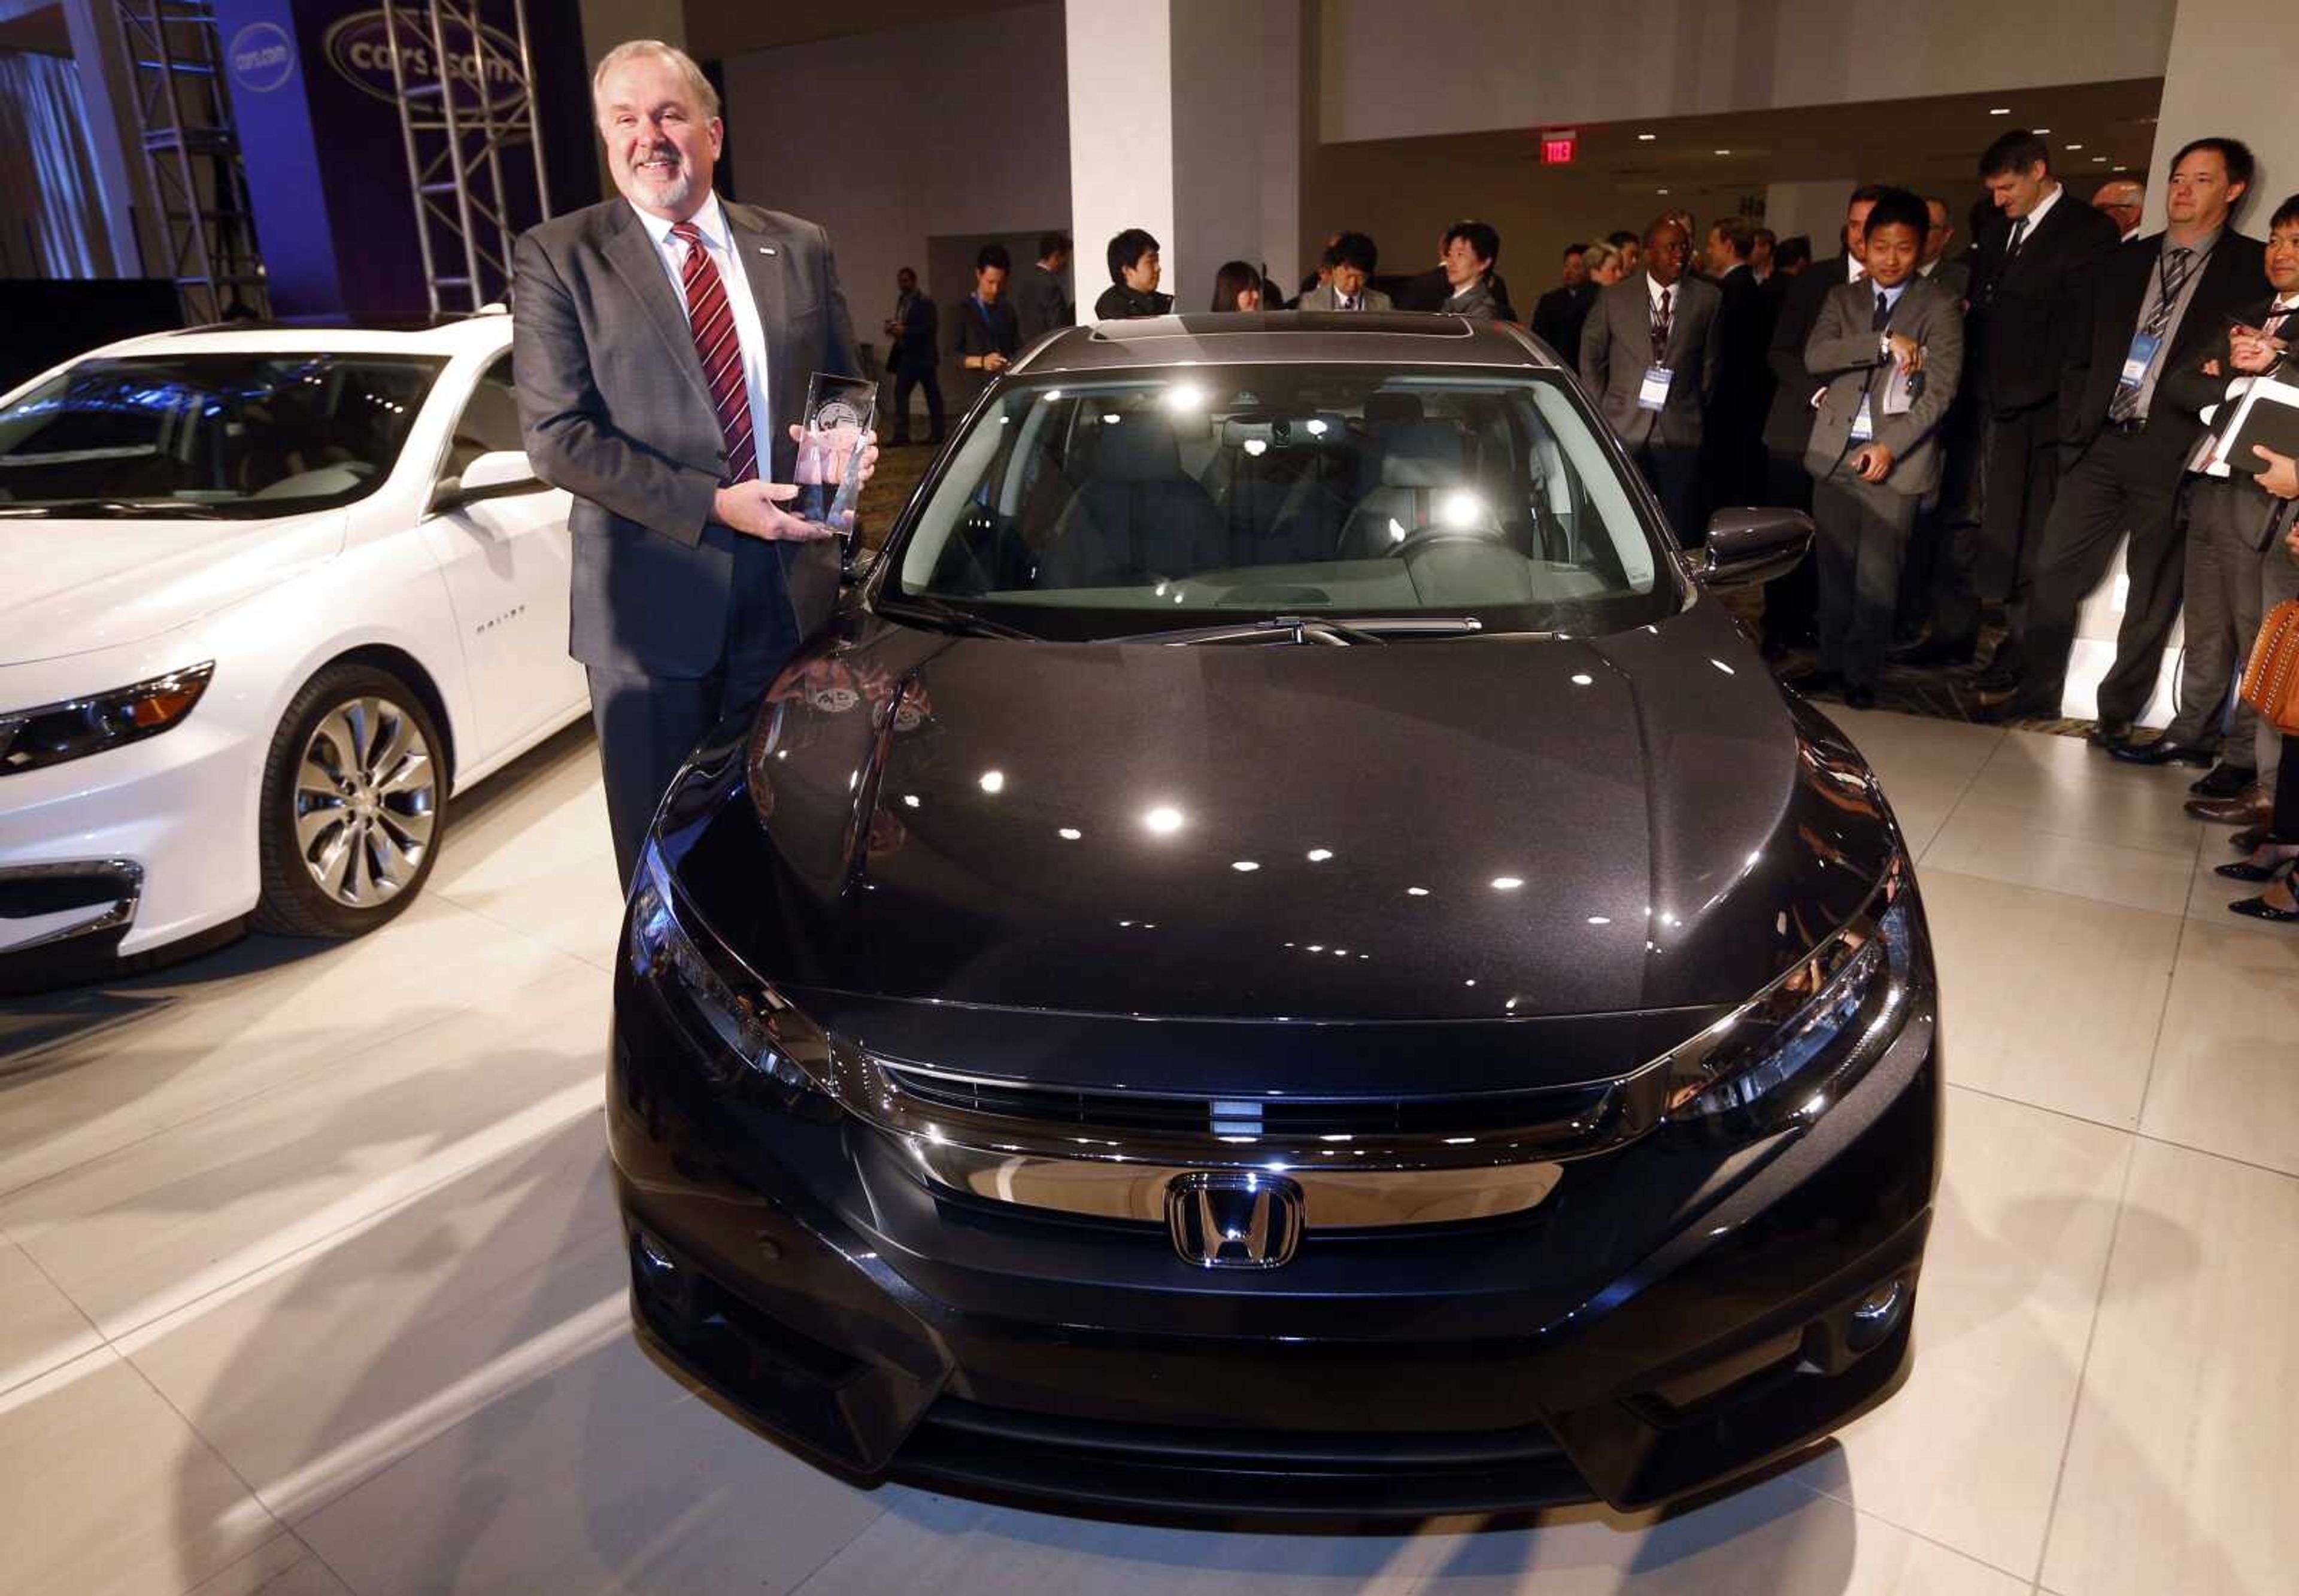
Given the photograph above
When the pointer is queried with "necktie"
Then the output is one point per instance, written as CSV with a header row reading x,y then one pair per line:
x,y
710,319
1660,324
1883,312
2171,277
2018,233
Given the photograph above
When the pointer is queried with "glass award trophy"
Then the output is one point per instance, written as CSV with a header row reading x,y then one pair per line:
x,y
839,411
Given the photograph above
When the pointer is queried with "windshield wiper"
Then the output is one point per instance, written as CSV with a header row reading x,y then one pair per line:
x,y
934,612
97,509
1318,629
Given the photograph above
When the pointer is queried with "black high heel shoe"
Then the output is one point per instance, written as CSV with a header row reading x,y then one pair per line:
x,y
2259,908
2280,856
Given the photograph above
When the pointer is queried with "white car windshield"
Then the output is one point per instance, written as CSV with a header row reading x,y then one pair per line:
x,y
209,435
1194,496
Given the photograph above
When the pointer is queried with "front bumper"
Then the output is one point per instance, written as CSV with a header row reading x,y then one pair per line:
x,y
1671,1318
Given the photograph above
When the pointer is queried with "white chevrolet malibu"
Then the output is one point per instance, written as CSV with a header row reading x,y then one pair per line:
x,y
267,599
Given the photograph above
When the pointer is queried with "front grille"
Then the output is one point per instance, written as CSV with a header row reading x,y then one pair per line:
x,y
1194,1470
28,893
1560,1110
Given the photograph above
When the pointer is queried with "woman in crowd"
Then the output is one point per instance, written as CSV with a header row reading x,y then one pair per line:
x,y
1237,287
2275,859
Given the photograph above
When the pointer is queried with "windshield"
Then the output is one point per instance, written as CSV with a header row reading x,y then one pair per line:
x,y
215,434
1202,495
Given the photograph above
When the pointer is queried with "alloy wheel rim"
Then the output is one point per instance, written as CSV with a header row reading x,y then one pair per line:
x,y
366,803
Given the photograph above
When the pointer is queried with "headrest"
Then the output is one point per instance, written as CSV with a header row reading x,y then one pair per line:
x,y
1141,448
1391,407
1422,454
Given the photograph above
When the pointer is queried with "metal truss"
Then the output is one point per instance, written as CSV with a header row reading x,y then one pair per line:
x,y
457,122
206,224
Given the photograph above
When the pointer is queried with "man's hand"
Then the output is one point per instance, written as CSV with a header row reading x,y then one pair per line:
x,y
994,361
2281,477
1874,463
1906,353
755,508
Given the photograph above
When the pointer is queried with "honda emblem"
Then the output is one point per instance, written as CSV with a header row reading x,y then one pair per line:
x,y
1233,1220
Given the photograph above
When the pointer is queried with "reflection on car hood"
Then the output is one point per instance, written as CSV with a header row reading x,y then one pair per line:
x,y
75,586
1480,830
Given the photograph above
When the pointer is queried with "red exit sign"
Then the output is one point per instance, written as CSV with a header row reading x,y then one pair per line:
x,y
1558,145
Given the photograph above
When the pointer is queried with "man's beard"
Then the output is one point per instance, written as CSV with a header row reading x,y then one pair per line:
x,y
668,191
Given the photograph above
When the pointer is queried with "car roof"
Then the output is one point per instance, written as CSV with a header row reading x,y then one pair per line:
x,y
486,331
1282,337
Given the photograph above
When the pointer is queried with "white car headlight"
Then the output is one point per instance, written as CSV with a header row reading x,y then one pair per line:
x,y
50,734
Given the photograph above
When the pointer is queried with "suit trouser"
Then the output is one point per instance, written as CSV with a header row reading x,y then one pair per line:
x,y
904,381
1673,472
1948,550
2019,467
648,725
1862,544
2228,578
2123,482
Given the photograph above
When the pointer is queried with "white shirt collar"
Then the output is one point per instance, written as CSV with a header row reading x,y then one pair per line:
x,y
1928,267
710,221
1892,296
2043,209
1653,288
1857,268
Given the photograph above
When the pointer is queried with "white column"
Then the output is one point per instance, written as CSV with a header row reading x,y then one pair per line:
x,y
1813,209
2231,72
107,88
1185,119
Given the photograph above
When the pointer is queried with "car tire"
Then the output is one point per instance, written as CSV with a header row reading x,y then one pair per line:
x,y
353,805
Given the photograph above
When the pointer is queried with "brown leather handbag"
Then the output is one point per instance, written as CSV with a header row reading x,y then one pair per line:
x,y
2270,683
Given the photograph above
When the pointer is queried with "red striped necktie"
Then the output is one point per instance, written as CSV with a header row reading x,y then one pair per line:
x,y
712,319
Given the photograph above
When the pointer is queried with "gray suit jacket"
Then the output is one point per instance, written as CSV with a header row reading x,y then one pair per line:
x,y
1616,350
615,409
1845,351
1954,276
1321,298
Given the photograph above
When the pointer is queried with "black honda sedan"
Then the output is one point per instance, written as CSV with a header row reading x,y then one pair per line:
x,y
1287,957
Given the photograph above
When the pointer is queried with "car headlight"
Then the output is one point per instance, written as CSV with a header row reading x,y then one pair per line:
x,y
1798,1045
52,733
747,1037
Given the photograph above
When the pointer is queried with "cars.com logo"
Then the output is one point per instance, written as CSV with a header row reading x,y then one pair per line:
x,y
360,50
263,57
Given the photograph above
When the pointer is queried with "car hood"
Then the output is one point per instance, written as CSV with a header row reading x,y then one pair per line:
x,y
75,586
1472,831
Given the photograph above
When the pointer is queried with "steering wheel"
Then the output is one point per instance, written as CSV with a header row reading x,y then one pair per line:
x,y
1431,533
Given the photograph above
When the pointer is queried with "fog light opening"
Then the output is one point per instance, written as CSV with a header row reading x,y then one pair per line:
x,y
660,1280
1876,1315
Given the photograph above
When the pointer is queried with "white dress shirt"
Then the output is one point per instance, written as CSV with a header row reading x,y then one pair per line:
x,y
2043,209
710,221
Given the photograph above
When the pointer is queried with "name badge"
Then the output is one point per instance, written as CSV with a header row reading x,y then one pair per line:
x,y
2145,347
1864,424
1653,393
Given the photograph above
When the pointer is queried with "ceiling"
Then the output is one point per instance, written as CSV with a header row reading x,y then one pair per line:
x,y
717,28
38,29
2096,129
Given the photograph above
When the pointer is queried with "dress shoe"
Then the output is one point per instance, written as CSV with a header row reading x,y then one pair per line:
x,y
2259,908
2110,734
2243,809
2267,861
2166,751
2224,781
1858,696
1933,653
2249,839
2001,676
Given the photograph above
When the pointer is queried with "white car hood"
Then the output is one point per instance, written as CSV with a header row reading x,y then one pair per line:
x,y
75,586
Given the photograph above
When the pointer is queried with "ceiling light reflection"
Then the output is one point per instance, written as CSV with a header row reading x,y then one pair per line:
x,y
993,781
1165,819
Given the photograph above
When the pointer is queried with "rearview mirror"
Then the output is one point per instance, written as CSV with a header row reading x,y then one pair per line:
x,y
1747,546
497,473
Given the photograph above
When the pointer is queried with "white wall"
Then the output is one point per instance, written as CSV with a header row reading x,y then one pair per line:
x,y
1120,146
1395,71
1815,210
2234,69
890,139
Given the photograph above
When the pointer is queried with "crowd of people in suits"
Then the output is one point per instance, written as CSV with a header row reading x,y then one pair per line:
x,y
1975,431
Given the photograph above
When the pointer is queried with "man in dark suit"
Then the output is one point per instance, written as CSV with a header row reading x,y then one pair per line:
x,y
1733,447
986,336
1791,602
1649,354
1890,348
662,344
2148,310
2029,273
1040,304
912,329
1558,315
2235,572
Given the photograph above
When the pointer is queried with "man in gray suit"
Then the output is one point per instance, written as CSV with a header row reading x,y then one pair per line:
x,y
1890,348
1355,257
1650,355
662,344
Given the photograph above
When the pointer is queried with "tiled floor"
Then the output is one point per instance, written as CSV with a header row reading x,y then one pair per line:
x,y
309,1280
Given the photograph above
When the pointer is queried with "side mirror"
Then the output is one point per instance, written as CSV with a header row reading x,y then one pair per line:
x,y
494,475
1749,546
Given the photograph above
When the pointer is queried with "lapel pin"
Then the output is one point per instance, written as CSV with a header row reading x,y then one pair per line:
x,y
766,249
